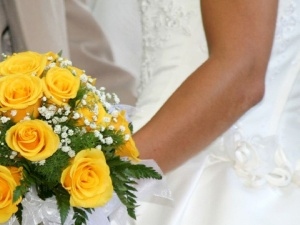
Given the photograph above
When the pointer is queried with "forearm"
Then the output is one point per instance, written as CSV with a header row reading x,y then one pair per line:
x,y
198,112
221,90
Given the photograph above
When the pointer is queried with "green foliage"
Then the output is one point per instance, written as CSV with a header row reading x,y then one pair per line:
x,y
19,213
25,184
80,215
62,198
123,174
50,172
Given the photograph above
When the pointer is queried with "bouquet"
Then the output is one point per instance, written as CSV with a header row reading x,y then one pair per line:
x,y
64,138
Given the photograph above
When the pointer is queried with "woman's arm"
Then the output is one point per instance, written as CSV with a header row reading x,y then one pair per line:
x,y
239,35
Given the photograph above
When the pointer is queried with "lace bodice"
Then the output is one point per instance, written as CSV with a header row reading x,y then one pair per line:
x,y
262,146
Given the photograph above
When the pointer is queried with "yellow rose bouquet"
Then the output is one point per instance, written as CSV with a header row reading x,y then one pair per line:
x,y
63,138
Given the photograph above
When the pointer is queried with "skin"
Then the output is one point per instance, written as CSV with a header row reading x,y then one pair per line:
x,y
239,35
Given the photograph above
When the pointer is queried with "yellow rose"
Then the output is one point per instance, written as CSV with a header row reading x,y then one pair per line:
x,y
33,139
16,172
128,149
121,121
60,85
20,93
7,187
87,179
93,112
24,63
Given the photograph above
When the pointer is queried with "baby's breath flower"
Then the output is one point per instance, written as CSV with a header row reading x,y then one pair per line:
x,y
4,119
111,127
57,129
87,122
63,119
64,135
122,128
95,118
99,147
42,162
76,116
109,140
116,98
13,112
71,153
68,141
27,118
84,78
115,113
65,148
127,137
93,126
70,132
106,119
51,65
65,128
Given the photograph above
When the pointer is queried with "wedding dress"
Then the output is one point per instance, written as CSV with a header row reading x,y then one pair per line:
x,y
250,174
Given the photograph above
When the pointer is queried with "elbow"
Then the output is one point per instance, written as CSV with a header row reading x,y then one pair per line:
x,y
254,89
256,93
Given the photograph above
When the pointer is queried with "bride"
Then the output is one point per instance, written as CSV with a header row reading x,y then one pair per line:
x,y
227,137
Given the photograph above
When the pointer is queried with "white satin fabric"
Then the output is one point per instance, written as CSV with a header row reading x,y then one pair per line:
x,y
250,174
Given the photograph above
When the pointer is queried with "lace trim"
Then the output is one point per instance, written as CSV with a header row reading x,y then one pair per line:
x,y
160,21
286,24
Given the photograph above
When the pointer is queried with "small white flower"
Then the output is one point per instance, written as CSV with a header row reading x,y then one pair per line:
x,y
95,118
109,140
76,116
26,118
87,122
99,147
51,65
97,133
57,129
59,111
93,126
70,132
68,141
84,78
115,113
106,119
127,137
71,153
44,98
66,148
64,135
111,127
63,119
13,112
42,162
122,128
4,119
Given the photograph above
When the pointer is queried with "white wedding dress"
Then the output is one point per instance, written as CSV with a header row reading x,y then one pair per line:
x,y
251,174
